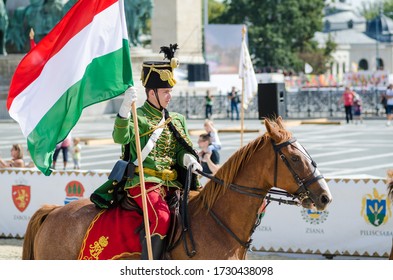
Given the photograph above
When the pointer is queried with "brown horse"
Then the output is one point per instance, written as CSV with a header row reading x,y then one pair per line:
x,y
223,215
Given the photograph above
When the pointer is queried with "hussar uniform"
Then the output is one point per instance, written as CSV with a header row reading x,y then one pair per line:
x,y
158,167
159,156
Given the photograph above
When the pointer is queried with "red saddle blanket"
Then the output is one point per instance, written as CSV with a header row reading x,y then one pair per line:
x,y
112,235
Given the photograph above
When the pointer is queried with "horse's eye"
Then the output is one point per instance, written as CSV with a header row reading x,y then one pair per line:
x,y
295,158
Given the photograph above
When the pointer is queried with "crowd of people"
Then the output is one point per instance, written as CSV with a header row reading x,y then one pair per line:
x,y
353,105
69,145
232,104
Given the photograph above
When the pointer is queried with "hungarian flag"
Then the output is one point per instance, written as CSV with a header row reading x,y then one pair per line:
x,y
247,74
84,60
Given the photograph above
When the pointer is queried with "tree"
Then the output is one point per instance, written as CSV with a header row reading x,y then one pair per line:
x,y
279,30
371,10
215,10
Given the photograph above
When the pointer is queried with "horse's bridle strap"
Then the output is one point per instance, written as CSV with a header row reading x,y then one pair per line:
x,y
231,233
302,192
250,191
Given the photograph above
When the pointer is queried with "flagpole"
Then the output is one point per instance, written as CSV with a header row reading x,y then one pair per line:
x,y
244,30
142,182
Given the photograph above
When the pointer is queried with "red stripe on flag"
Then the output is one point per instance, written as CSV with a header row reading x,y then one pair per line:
x,y
81,14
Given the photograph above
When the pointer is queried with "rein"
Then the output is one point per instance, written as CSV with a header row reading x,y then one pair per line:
x,y
254,192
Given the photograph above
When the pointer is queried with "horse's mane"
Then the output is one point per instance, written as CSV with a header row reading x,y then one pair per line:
x,y
390,184
229,170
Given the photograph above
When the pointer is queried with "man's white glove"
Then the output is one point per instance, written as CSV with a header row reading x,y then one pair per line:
x,y
130,96
189,160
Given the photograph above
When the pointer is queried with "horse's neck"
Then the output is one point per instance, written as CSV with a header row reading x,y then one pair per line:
x,y
234,212
238,212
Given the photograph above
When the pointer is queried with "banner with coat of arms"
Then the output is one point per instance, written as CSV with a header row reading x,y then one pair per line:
x,y
358,222
23,191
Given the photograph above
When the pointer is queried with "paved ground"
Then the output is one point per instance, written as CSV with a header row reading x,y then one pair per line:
x,y
340,150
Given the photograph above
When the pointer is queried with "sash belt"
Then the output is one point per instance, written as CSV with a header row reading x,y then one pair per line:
x,y
166,174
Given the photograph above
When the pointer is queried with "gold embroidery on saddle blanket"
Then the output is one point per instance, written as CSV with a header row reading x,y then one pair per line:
x,y
112,235
96,248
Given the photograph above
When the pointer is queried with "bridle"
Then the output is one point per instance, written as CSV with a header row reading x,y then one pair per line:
x,y
301,194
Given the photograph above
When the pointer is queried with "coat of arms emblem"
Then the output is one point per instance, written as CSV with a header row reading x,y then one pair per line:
x,y
74,191
21,196
376,208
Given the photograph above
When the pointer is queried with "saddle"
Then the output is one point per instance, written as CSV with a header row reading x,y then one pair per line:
x,y
176,201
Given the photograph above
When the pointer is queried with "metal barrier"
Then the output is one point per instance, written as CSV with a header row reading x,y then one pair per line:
x,y
313,103
3,106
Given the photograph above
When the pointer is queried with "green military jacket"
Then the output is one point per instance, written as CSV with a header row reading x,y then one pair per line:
x,y
167,151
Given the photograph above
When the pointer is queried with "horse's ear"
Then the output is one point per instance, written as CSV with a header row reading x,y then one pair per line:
x,y
272,129
268,125
279,121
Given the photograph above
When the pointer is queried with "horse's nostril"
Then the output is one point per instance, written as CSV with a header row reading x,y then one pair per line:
x,y
325,199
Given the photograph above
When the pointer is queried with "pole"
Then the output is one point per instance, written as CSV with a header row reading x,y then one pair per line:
x,y
142,182
244,30
377,40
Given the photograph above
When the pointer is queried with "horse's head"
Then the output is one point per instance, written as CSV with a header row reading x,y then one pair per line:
x,y
294,169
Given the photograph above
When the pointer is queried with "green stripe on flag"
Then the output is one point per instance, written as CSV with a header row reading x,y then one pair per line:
x,y
106,77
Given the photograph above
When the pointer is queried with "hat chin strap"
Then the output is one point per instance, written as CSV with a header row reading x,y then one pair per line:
x,y
158,100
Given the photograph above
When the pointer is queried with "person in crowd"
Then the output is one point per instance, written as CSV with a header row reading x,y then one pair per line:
x,y
167,142
76,153
389,104
234,100
384,100
213,133
16,158
209,159
347,99
357,109
208,105
64,147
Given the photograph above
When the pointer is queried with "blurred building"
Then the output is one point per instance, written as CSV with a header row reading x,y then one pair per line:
x,y
361,45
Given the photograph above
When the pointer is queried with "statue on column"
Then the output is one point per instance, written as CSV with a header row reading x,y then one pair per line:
x,y
16,38
3,27
138,13
67,6
50,13
42,16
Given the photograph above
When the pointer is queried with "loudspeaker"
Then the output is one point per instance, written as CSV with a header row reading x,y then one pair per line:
x,y
271,100
198,72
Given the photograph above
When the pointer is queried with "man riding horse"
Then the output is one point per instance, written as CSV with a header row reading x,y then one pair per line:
x,y
161,150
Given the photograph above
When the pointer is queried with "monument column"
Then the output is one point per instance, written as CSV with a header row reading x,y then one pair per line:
x,y
178,21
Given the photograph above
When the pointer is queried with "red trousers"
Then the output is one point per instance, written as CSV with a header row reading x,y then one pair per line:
x,y
157,208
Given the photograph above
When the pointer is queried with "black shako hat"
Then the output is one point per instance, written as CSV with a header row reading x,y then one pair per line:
x,y
159,74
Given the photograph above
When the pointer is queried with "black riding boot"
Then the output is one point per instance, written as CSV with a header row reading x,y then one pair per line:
x,y
157,246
